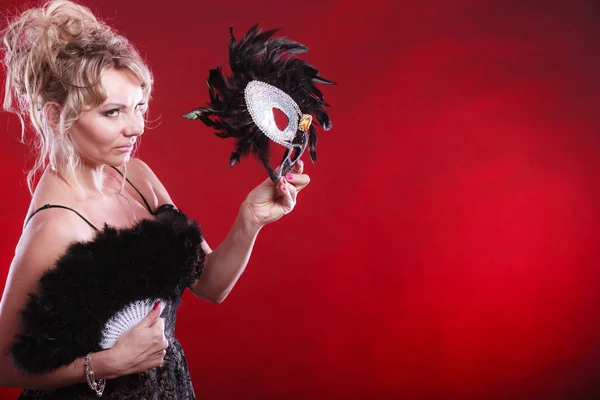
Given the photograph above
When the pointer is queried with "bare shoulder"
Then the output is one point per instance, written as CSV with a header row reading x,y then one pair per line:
x,y
137,168
43,241
140,171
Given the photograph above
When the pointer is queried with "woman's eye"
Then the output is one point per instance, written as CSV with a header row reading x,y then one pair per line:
x,y
116,111
111,113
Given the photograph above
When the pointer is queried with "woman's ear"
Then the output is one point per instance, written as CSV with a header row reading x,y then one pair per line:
x,y
52,114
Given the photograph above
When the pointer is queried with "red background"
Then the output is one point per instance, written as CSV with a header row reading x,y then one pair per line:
x,y
447,246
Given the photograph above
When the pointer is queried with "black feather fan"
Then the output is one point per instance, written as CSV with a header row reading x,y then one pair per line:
x,y
93,280
260,57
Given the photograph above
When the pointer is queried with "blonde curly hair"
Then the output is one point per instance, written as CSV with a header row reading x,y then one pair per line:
x,y
57,53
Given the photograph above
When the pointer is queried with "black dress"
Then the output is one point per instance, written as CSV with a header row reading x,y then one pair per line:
x,y
169,382
171,243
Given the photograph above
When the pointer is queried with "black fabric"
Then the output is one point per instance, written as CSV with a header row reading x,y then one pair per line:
x,y
170,382
62,321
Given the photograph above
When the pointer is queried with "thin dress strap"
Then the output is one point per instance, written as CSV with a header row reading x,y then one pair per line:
x,y
46,206
136,189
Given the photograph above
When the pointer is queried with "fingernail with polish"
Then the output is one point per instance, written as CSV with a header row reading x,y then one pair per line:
x,y
289,177
156,305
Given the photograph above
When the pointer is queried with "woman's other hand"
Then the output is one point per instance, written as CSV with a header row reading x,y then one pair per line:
x,y
142,347
270,200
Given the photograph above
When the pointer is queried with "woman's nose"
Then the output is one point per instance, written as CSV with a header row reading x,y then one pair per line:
x,y
135,126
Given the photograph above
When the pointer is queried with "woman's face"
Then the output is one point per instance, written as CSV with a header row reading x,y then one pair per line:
x,y
107,133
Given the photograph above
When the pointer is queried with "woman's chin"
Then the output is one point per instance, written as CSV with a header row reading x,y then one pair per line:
x,y
119,161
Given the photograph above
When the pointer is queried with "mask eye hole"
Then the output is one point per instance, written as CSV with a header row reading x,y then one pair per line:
x,y
281,120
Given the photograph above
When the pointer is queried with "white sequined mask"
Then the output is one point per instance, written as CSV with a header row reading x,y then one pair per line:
x,y
261,99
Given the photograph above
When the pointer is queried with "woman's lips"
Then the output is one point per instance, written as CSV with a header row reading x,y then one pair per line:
x,y
125,148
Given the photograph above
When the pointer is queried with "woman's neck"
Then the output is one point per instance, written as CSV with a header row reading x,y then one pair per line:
x,y
86,180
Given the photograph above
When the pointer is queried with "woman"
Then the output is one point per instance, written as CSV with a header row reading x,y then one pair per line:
x,y
86,91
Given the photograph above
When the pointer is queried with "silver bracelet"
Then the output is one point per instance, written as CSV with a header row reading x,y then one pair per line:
x,y
96,385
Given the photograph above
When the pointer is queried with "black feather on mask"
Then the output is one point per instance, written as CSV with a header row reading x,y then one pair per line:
x,y
258,57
